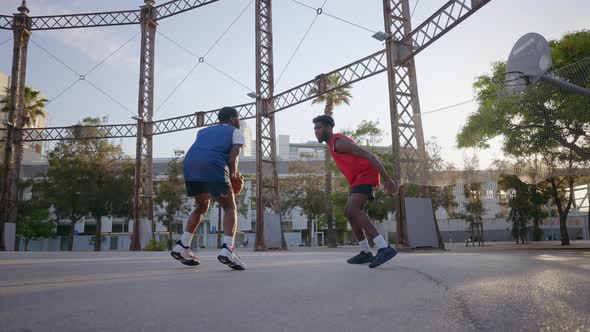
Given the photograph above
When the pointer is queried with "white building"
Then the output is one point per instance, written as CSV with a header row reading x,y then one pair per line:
x,y
295,223
249,148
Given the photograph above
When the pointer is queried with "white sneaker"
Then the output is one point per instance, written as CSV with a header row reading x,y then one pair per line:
x,y
184,254
230,259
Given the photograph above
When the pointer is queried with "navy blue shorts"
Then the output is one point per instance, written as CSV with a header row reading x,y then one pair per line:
x,y
194,188
366,189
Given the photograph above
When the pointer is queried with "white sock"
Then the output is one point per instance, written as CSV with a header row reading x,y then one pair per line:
x,y
380,242
186,239
229,241
364,244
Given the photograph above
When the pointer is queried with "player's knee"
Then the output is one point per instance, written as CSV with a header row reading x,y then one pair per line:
x,y
350,212
228,205
227,202
202,205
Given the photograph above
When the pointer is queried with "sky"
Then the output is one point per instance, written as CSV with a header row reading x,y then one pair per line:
x,y
445,70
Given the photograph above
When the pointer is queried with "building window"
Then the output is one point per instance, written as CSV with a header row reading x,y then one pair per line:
x,y
63,229
118,228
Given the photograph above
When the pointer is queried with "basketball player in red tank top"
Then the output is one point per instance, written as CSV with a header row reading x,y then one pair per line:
x,y
362,170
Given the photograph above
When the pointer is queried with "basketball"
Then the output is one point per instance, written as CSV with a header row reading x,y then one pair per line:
x,y
237,184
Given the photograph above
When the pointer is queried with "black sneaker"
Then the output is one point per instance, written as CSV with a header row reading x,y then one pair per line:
x,y
362,258
184,255
383,255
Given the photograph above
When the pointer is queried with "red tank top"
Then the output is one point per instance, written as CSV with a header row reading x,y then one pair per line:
x,y
356,170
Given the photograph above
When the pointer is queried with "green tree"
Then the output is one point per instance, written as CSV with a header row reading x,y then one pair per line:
x,y
243,205
473,193
304,191
122,190
170,196
64,188
34,108
561,187
526,203
381,207
536,122
442,196
335,97
33,222
474,211
97,164
367,133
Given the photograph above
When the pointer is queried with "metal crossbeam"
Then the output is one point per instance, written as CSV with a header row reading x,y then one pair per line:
x,y
54,22
174,7
443,20
397,59
364,68
87,20
78,132
199,119
164,126
5,22
451,14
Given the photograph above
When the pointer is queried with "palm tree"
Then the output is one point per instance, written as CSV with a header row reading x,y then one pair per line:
x,y
333,98
34,107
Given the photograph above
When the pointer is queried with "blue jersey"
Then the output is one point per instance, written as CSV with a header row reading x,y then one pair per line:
x,y
208,158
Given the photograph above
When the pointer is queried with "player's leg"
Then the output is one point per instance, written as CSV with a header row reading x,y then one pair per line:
x,y
225,196
354,212
181,250
356,217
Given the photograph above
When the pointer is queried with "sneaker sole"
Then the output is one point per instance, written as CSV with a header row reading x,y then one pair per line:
x,y
224,260
359,263
387,258
181,259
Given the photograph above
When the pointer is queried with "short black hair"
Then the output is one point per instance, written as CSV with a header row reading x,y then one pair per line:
x,y
226,113
326,120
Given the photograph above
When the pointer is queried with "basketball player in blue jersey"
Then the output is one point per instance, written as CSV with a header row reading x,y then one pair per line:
x,y
208,168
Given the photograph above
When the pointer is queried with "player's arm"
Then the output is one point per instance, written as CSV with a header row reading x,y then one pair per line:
x,y
345,146
233,160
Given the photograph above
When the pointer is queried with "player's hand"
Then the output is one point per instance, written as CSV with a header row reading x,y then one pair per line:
x,y
234,175
237,183
391,187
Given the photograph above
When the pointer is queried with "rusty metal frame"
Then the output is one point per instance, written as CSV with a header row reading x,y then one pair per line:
x,y
100,19
401,47
267,180
143,193
13,151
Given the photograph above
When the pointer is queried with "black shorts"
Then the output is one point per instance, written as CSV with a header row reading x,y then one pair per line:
x,y
366,189
216,189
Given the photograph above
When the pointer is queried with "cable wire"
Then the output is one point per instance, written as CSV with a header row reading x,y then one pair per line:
x,y
82,77
6,41
334,16
201,59
413,10
318,13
